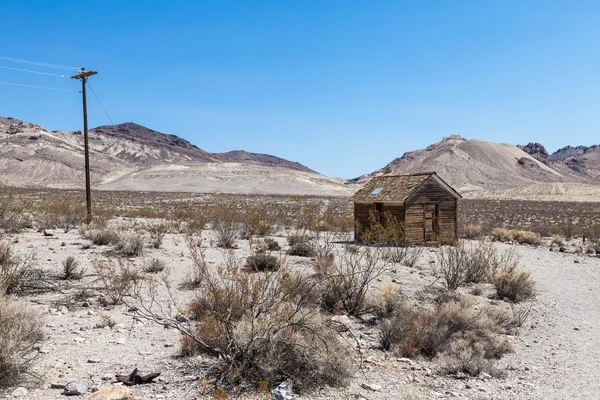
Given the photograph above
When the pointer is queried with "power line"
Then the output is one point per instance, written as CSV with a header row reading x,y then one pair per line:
x,y
38,87
33,72
105,112
41,64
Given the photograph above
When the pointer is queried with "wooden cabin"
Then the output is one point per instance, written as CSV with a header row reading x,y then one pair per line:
x,y
422,203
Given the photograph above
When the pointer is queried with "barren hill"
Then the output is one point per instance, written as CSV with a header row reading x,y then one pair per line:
x,y
132,157
479,168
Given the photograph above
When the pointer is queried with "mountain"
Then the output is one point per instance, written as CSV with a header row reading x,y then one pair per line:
x,y
479,168
132,157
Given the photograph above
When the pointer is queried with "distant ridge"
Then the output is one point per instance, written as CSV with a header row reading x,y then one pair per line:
x,y
479,168
130,156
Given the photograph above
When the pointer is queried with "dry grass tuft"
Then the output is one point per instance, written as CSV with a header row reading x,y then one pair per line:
x,y
20,332
513,284
512,235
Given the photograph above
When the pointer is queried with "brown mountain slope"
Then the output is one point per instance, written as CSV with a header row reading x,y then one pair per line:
x,y
475,167
131,157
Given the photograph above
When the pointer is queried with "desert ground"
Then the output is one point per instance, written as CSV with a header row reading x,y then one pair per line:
x,y
551,349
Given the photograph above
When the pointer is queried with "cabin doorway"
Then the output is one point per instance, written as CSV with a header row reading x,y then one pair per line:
x,y
379,210
431,219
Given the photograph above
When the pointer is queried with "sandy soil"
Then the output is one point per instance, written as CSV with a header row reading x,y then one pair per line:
x,y
557,353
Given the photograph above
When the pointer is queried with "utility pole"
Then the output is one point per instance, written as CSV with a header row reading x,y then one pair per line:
x,y
83,76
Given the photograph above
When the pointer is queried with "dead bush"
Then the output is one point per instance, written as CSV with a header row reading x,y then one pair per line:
x,y
304,249
154,266
262,261
297,238
513,284
387,302
272,244
199,268
130,245
451,265
408,256
157,231
117,278
470,353
226,228
256,222
262,331
71,269
16,273
101,237
20,331
472,262
520,313
68,213
13,218
345,283
439,331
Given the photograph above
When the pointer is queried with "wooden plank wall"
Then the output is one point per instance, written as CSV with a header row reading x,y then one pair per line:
x,y
432,193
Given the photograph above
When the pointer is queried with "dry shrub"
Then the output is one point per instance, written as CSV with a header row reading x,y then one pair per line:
x,y
388,302
272,244
513,284
154,266
302,250
443,331
472,231
470,353
262,330
157,231
592,235
16,273
408,256
226,227
345,283
473,262
68,214
297,238
20,331
199,264
101,237
383,230
262,261
256,222
512,235
12,213
71,269
130,245
300,245
117,278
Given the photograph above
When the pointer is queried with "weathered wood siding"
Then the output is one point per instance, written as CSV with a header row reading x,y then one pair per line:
x,y
431,192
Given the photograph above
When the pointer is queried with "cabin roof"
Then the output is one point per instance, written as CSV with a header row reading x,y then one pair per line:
x,y
396,187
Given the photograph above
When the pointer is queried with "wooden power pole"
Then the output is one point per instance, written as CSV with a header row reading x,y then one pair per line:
x,y
83,76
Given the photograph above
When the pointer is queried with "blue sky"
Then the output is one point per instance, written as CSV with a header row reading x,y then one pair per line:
x,y
343,87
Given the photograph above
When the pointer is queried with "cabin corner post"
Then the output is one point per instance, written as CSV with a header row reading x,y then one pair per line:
x,y
455,220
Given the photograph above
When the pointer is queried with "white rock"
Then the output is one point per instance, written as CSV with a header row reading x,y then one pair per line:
x,y
283,391
19,392
75,389
370,386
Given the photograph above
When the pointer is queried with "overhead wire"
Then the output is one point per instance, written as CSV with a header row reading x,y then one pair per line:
x,y
40,64
39,87
99,102
28,70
